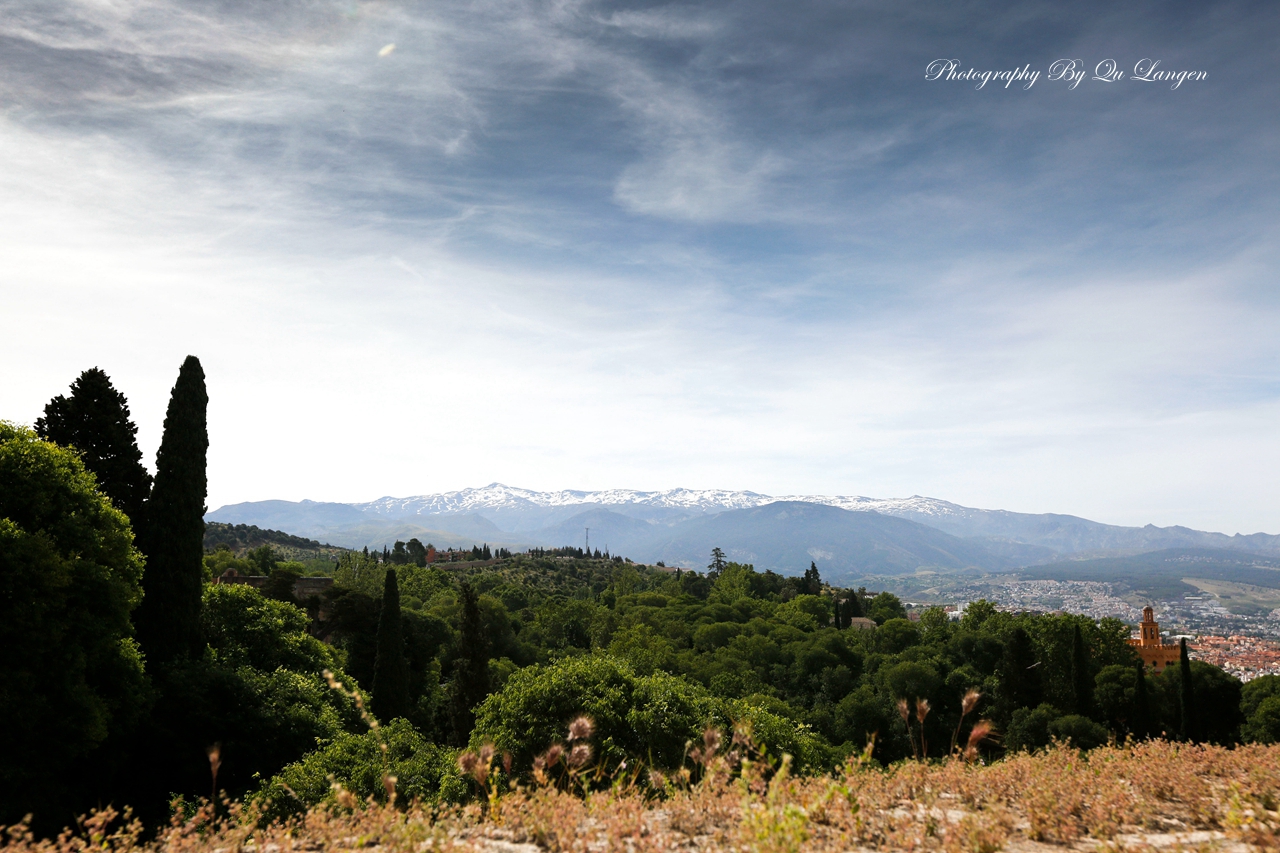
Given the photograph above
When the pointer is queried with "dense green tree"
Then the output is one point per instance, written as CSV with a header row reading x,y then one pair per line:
x,y
280,584
812,581
886,606
172,534
1260,706
1186,696
1216,703
646,718
95,421
1114,696
1082,678
471,671
390,670
1018,675
853,606
71,677
258,689
1141,725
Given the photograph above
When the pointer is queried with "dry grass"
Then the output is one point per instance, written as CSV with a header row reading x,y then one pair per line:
x,y
1155,795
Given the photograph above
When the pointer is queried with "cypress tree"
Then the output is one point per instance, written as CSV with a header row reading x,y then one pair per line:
x,y
1141,704
1019,684
95,421
1186,695
172,537
471,675
854,605
835,612
390,669
1081,677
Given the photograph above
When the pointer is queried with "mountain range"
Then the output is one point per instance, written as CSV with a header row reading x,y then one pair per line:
x,y
845,536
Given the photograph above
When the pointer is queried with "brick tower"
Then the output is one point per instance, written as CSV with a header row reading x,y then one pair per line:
x,y
1155,654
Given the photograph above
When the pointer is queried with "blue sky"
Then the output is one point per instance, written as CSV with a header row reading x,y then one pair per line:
x,y
590,245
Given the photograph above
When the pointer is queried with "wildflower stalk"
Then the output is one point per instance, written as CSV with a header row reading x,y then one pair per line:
x,y
967,703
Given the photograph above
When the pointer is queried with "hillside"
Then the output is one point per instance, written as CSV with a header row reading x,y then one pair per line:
x,y
246,537
1160,575
787,535
514,517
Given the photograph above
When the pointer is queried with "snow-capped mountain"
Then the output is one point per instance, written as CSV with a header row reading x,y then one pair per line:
x,y
500,513
499,496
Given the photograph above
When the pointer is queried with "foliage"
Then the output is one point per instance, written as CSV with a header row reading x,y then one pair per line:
x,y
258,690
355,763
390,671
241,538
71,677
95,421
1260,706
172,532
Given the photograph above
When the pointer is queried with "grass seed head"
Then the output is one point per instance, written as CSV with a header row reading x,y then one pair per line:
x,y
581,729
579,755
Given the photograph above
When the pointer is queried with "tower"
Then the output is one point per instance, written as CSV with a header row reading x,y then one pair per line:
x,y
1154,653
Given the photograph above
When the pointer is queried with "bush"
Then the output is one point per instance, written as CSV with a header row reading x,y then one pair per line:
x,y
1081,731
642,718
424,771
1029,728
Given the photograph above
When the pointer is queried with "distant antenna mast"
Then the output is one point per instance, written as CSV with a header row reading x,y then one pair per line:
x,y
588,540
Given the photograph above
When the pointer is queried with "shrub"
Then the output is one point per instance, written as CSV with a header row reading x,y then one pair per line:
x,y
642,718
423,771
1081,731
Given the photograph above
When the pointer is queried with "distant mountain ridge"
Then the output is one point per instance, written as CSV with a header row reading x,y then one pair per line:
x,y
649,525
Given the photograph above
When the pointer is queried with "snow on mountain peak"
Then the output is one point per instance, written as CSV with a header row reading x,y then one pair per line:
x,y
500,496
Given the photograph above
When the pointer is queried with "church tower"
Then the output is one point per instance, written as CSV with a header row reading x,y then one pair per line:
x,y
1154,653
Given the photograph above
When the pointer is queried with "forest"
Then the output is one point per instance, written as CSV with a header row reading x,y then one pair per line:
x,y
133,675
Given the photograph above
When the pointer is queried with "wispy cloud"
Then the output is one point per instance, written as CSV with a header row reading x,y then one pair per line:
x,y
587,244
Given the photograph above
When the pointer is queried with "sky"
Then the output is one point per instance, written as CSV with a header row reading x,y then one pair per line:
x,y
743,245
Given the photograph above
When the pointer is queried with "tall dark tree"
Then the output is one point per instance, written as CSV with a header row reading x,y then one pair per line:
x,y
1019,675
390,669
812,580
95,421
1186,695
1081,674
836,620
1141,726
853,605
471,673
172,535
717,564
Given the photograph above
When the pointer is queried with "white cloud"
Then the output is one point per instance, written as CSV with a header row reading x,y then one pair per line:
x,y
384,303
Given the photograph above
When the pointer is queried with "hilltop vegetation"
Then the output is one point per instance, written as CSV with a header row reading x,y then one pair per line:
x,y
241,538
